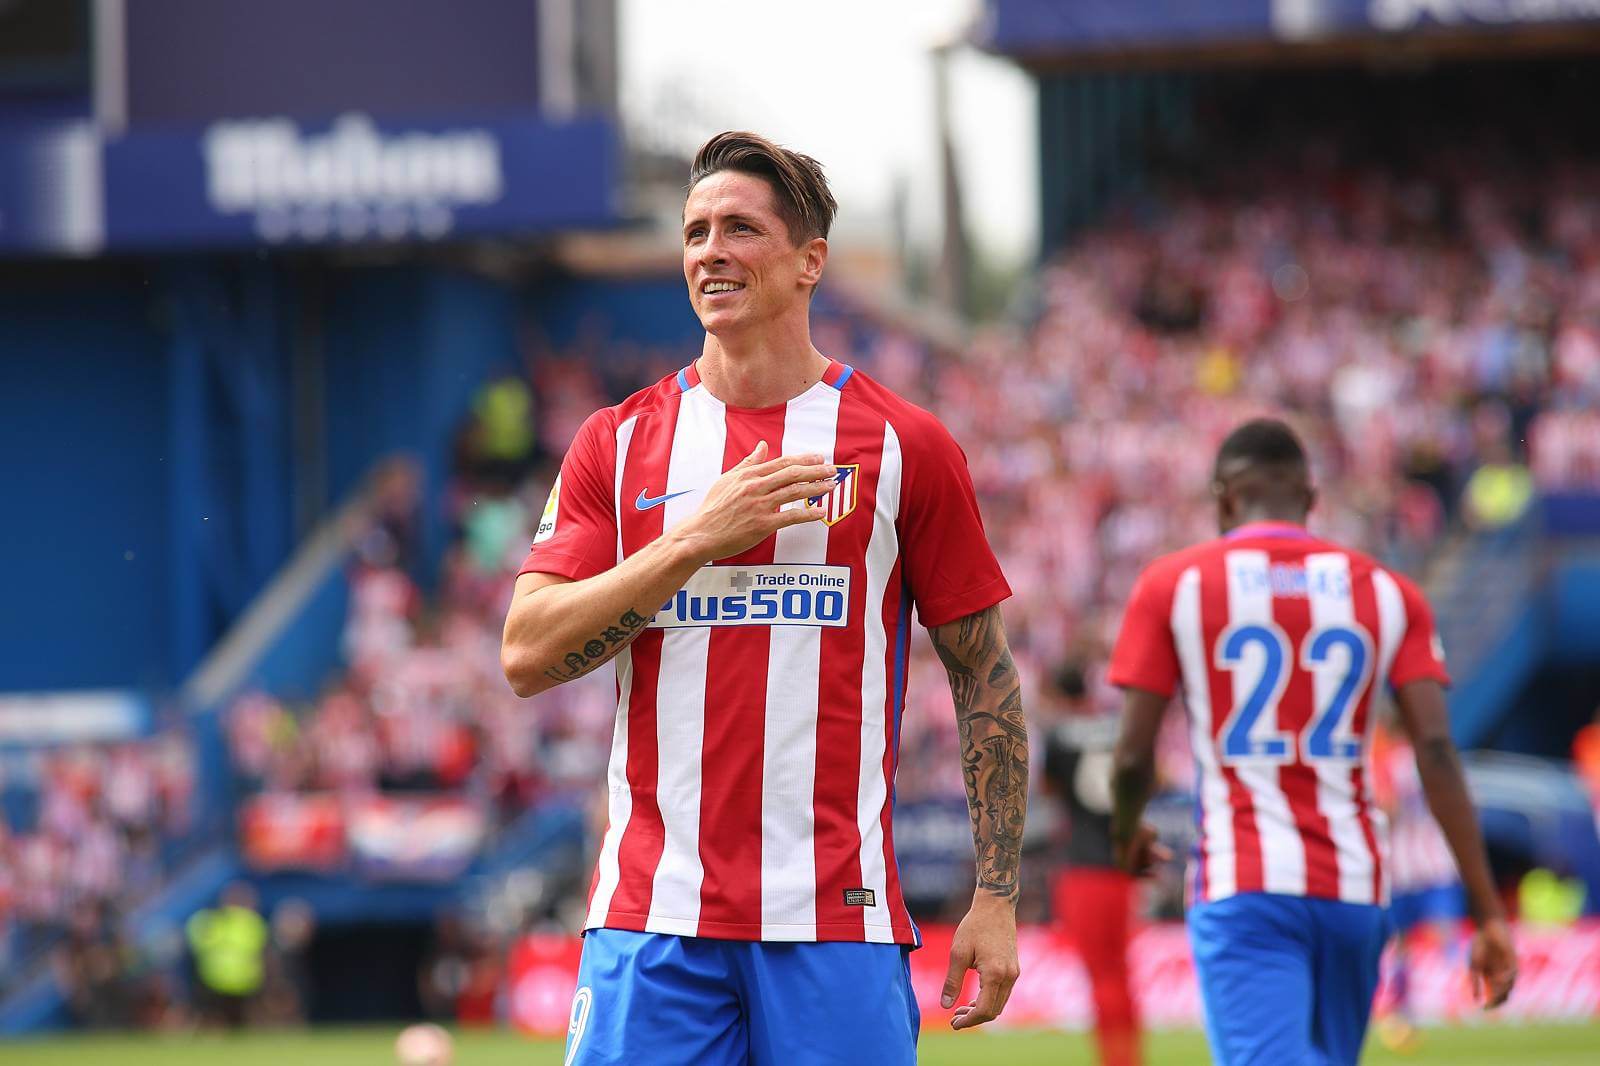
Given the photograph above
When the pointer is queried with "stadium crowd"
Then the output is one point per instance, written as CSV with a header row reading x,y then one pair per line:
x,y
1435,336
423,705
102,828
1433,332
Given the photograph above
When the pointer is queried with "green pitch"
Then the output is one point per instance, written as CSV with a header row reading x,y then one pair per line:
x,y
1545,1045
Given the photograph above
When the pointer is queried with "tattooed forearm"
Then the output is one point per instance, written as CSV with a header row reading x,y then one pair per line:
x,y
994,743
599,649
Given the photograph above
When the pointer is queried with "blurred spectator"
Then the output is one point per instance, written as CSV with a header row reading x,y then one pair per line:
x,y
1546,898
286,986
107,821
1500,489
89,969
498,444
392,535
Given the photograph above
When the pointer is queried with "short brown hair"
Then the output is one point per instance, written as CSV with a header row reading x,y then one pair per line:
x,y
799,188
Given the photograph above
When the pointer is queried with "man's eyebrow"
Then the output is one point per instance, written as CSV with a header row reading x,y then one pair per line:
x,y
730,217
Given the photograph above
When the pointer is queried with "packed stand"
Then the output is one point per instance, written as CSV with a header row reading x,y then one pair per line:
x,y
92,836
422,713
1434,335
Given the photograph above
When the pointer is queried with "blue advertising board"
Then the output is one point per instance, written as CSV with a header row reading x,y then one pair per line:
x,y
271,181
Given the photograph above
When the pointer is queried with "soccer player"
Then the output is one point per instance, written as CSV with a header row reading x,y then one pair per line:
x,y
1092,896
746,538
1425,889
1281,641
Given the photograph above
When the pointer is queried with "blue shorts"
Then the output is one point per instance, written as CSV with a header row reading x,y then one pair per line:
x,y
1286,981
665,1000
1442,903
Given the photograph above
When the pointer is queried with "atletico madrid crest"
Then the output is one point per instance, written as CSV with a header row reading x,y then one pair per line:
x,y
838,504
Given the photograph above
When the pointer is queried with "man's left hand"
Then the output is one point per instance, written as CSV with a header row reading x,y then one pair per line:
x,y
986,941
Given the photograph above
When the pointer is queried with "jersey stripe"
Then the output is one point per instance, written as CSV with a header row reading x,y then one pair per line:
x,y
897,620
839,749
1215,863
1390,605
1283,857
788,758
619,802
1365,604
1245,866
735,723
639,851
696,461
1330,593
1299,780
881,474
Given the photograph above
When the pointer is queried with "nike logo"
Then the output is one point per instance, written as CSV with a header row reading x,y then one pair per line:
x,y
646,501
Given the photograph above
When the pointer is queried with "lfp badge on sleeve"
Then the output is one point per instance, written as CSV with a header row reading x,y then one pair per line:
x,y
838,504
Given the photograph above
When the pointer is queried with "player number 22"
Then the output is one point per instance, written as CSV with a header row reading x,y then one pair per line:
x,y
1339,659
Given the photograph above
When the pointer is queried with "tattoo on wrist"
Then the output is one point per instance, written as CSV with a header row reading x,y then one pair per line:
x,y
994,743
599,649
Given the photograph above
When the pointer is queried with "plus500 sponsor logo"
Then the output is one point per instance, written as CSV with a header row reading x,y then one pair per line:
x,y
779,594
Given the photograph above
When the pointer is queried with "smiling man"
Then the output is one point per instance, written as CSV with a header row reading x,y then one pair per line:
x,y
746,540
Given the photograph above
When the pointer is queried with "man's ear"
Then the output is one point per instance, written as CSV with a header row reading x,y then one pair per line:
x,y
1219,496
816,253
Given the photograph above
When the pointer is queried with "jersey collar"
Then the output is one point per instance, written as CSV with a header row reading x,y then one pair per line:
x,y
1283,530
836,375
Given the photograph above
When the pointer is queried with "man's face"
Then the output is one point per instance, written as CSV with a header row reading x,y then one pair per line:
x,y
741,266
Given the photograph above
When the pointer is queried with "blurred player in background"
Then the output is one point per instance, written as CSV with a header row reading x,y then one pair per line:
x,y
1092,896
1425,889
1280,641
746,539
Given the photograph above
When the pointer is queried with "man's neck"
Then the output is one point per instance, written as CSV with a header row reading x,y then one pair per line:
x,y
1267,515
760,370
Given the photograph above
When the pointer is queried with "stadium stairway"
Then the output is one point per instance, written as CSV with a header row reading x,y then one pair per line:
x,y
1492,622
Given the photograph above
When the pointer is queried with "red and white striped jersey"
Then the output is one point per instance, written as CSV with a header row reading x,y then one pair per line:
x,y
753,758
1280,641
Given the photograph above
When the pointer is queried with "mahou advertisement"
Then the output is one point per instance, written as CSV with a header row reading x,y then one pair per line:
x,y
1559,981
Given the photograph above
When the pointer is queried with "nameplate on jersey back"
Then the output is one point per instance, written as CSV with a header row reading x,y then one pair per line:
x,y
771,594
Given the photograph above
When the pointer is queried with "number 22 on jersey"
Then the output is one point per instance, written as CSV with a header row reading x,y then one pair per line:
x,y
1340,661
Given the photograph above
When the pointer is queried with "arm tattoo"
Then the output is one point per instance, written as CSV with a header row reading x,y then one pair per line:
x,y
994,742
599,649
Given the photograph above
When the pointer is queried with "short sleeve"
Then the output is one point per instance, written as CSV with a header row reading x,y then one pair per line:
x,y
948,564
577,535
1144,656
1420,656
